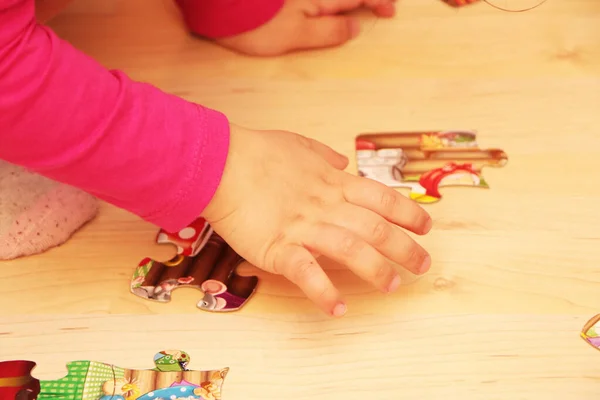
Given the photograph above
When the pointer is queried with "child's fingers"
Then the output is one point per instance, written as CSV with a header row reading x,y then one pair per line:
x,y
300,267
388,239
387,202
327,31
349,249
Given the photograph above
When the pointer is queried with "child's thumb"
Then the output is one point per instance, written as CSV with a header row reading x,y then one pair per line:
x,y
328,31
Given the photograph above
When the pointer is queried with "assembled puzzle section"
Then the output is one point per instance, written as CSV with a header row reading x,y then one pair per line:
x,y
591,332
90,380
204,262
424,162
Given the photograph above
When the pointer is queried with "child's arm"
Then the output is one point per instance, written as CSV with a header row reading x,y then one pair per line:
x,y
65,116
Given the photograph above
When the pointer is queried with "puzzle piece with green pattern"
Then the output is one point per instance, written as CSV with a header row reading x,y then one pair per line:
x,y
85,380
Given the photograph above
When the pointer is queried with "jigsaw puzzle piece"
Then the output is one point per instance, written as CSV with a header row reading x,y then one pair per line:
x,y
211,270
424,162
591,332
16,382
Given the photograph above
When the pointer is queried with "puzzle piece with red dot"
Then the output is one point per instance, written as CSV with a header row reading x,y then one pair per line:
x,y
203,261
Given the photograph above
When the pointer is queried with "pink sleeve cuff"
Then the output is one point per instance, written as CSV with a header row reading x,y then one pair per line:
x,y
222,18
203,175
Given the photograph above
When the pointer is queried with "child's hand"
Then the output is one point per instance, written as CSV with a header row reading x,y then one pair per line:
x,y
284,200
306,24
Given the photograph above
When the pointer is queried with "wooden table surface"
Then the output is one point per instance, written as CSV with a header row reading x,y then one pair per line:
x,y
515,272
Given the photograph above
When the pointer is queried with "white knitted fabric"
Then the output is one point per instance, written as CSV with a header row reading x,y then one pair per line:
x,y
37,213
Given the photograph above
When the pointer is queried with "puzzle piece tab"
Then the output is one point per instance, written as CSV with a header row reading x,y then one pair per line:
x,y
203,261
90,380
425,161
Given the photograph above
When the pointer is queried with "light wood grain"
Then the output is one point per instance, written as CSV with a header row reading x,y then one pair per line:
x,y
515,270
479,357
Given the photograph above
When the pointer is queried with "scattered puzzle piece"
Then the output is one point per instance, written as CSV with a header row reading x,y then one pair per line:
x,y
425,161
90,380
203,261
591,332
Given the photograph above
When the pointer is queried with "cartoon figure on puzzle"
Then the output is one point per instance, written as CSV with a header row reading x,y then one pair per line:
x,y
591,332
425,161
89,380
203,261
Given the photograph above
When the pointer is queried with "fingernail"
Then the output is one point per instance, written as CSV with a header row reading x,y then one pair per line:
x,y
394,284
339,310
425,265
428,225
354,26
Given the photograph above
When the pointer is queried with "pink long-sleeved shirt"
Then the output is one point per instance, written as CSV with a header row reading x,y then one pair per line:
x,y
66,117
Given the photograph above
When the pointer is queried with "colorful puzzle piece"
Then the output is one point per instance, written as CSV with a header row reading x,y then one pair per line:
x,y
203,261
591,332
425,161
90,380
